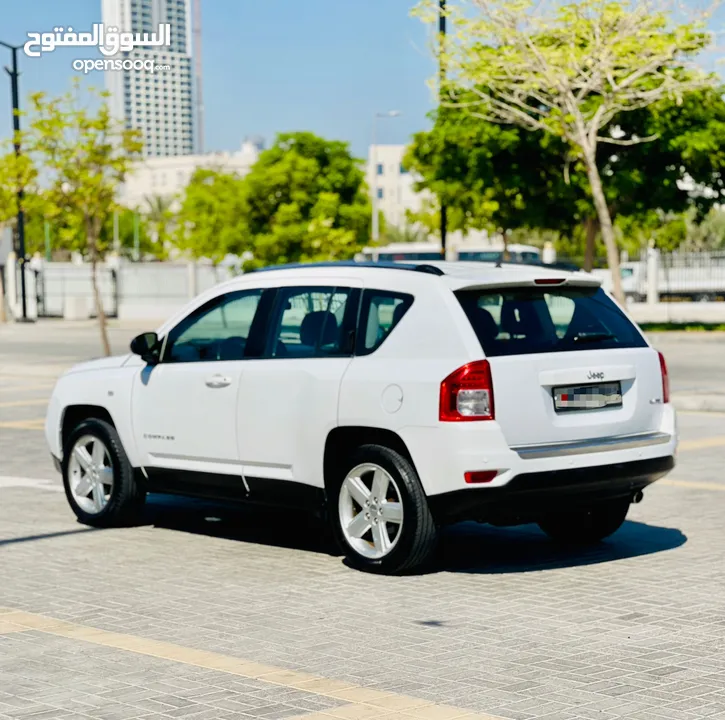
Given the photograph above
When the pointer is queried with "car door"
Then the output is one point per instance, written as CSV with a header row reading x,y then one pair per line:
x,y
288,400
184,409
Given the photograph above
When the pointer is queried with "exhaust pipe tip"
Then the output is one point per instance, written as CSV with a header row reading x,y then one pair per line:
x,y
638,496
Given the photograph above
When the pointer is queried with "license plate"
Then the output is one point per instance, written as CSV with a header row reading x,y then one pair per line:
x,y
588,397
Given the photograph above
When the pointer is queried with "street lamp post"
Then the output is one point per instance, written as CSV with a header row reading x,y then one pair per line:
x,y
20,194
376,218
442,34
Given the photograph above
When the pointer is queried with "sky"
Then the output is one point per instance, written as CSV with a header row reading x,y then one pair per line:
x,y
269,66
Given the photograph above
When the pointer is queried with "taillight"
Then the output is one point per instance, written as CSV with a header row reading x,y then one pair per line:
x,y
467,394
665,379
549,281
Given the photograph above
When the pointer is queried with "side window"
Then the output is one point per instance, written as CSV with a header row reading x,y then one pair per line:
x,y
310,322
381,311
215,331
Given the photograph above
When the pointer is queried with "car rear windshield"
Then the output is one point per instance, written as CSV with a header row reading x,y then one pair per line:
x,y
522,321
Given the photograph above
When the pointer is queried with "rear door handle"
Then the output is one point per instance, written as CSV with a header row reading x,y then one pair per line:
x,y
218,381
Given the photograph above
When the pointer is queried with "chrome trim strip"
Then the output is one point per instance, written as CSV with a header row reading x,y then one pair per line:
x,y
622,442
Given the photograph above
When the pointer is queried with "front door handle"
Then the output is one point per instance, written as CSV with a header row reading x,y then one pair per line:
x,y
218,381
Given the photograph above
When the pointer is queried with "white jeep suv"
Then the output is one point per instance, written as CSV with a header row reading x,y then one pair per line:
x,y
394,399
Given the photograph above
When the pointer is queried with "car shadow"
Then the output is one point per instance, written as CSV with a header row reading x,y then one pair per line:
x,y
475,548
276,527
464,548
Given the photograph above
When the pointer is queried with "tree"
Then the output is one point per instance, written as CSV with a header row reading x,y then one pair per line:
x,y
85,156
212,222
159,214
306,200
17,173
501,176
710,233
568,73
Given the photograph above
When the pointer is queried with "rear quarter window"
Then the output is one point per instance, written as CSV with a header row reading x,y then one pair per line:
x,y
522,321
380,313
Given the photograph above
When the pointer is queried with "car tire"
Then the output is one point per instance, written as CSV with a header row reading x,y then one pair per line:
x,y
412,541
586,526
94,460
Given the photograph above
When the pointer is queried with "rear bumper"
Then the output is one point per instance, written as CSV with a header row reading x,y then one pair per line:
x,y
443,454
529,496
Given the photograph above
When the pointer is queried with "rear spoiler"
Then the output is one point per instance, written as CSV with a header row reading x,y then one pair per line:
x,y
583,280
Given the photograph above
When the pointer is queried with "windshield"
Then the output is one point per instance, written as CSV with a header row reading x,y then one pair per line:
x,y
520,321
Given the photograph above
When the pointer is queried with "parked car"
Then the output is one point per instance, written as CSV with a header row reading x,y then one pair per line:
x,y
393,399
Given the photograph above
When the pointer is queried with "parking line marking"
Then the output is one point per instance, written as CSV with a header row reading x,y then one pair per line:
x,y
37,424
24,403
7,628
34,483
362,702
25,388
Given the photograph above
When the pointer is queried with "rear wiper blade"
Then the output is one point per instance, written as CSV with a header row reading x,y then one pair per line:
x,y
593,336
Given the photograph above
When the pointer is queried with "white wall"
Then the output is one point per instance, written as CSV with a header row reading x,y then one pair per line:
x,y
168,176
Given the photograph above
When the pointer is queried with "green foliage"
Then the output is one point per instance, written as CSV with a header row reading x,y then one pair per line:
x,y
405,234
493,176
497,176
127,220
306,201
568,73
682,327
159,217
213,220
710,233
18,173
85,156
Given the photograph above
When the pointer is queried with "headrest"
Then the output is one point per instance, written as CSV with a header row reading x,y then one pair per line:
x,y
519,318
483,323
398,313
312,327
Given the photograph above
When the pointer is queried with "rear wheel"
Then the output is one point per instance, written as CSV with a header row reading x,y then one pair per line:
x,y
98,478
586,526
382,519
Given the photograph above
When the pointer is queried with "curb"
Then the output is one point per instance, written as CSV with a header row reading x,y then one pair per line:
x,y
699,403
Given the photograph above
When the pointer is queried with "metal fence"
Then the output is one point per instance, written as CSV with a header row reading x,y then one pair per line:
x,y
682,276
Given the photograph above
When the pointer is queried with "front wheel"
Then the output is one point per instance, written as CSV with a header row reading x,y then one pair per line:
x,y
586,526
98,478
382,519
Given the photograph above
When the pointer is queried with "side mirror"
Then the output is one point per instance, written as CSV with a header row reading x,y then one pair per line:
x,y
147,346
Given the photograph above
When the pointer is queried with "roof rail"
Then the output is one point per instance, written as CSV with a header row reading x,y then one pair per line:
x,y
430,269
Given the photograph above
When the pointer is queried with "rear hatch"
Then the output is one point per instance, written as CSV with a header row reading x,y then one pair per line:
x,y
566,363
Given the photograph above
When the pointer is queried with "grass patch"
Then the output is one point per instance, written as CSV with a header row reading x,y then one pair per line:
x,y
682,327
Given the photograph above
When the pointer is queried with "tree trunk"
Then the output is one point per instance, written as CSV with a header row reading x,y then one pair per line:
x,y
605,225
99,307
591,235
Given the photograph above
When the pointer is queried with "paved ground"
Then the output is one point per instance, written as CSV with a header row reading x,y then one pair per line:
x,y
205,612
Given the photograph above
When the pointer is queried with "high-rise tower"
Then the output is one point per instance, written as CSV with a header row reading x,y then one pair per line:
x,y
159,103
